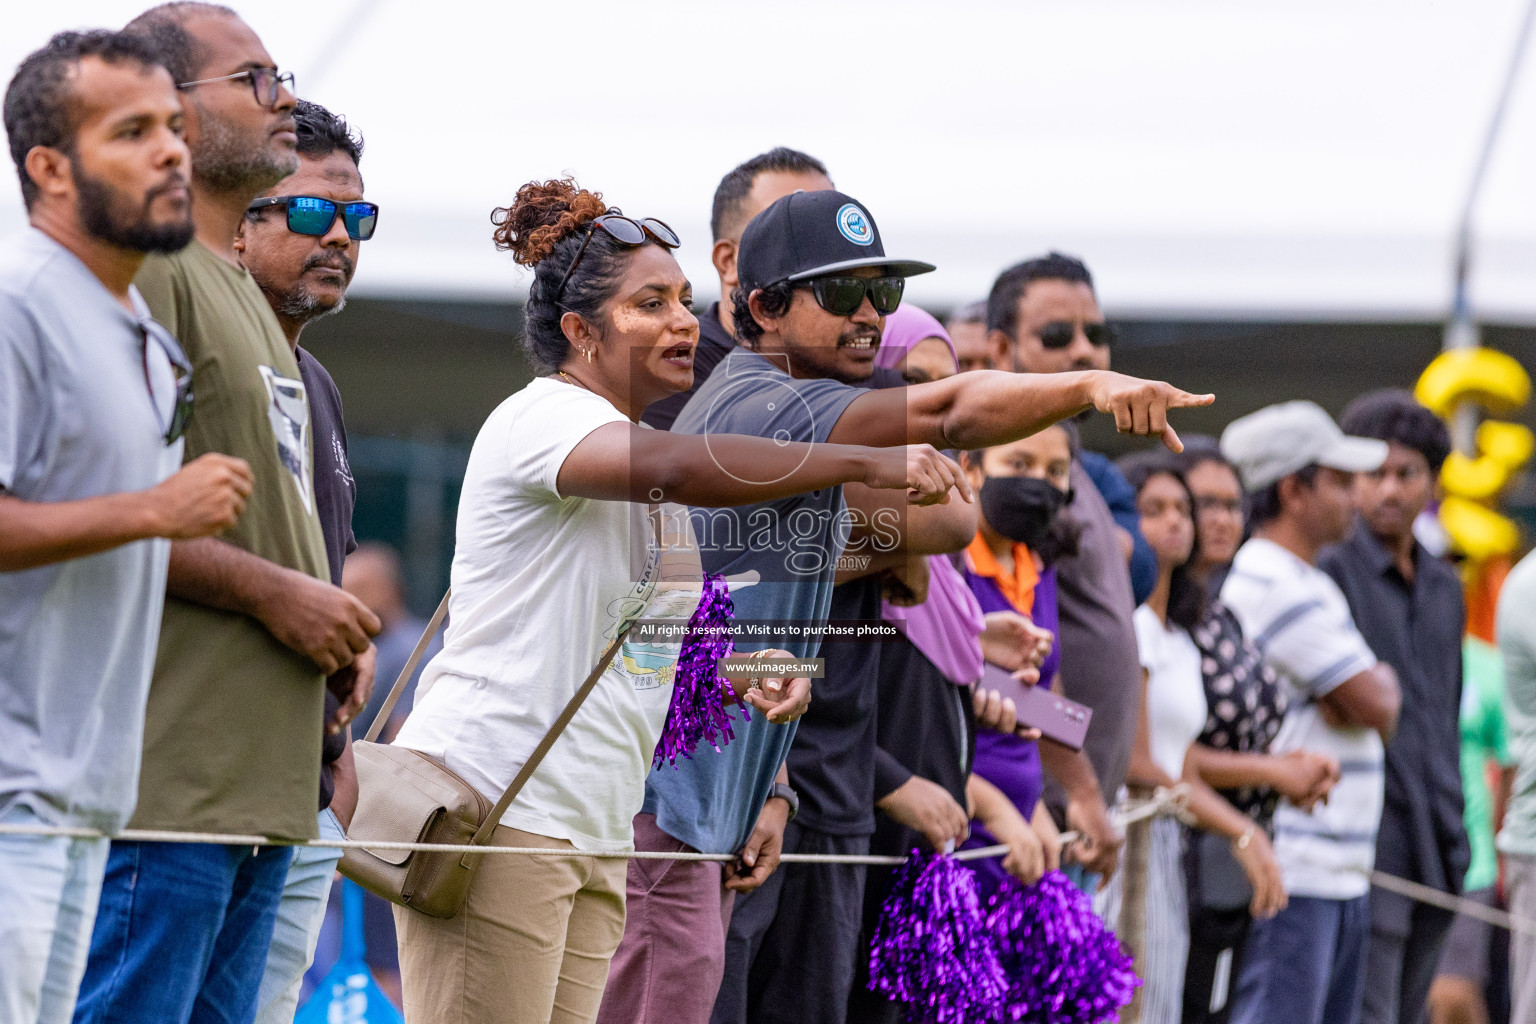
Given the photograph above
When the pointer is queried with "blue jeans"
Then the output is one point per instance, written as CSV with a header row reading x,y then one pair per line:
x,y
299,916
181,934
48,891
1305,966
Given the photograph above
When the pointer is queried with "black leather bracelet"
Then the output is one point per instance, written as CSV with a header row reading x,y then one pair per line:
x,y
789,796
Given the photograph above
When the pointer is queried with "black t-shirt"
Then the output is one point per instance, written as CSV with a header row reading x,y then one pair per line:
x,y
715,343
335,497
1416,627
832,760
833,763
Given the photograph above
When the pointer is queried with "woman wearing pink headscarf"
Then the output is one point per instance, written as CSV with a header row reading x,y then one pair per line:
x,y
927,722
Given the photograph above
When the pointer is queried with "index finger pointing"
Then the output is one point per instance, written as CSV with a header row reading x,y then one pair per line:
x,y
1185,400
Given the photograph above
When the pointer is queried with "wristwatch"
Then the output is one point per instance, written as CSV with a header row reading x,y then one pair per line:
x,y
789,796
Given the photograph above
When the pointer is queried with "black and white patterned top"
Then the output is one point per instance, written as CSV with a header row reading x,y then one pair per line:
x,y
1244,699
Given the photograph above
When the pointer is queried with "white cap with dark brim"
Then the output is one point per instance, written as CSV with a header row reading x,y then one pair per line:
x,y
1279,440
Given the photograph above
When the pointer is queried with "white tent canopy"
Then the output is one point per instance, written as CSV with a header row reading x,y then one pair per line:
x,y
1208,159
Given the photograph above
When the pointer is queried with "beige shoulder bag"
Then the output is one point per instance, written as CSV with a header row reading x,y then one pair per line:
x,y
405,796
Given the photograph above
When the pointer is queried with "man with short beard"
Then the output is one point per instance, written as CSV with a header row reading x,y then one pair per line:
x,y
1409,607
90,426
300,240
1307,964
251,626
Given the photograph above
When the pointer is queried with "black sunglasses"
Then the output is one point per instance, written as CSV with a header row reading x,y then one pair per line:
x,y
842,296
266,83
1058,334
181,412
625,231
312,215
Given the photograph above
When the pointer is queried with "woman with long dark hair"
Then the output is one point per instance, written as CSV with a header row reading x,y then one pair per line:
x,y
570,528
1245,706
1173,711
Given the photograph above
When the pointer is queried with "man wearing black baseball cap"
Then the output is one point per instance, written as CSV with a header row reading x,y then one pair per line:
x,y
815,285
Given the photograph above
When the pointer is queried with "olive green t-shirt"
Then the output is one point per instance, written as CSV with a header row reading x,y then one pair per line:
x,y
233,727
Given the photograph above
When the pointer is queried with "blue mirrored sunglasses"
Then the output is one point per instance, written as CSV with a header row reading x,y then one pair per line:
x,y
313,215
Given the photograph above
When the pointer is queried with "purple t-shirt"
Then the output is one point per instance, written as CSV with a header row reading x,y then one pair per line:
x,y
1009,763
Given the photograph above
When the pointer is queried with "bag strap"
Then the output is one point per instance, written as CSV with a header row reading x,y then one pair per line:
x,y
483,834
382,717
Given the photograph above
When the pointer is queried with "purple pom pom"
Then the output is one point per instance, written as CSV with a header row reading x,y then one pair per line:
x,y
1063,964
931,950
698,694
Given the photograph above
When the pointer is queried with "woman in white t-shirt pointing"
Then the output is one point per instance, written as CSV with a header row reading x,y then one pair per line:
x,y
558,547
1173,711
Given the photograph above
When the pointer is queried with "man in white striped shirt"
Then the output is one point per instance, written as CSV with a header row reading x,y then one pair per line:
x,y
1306,966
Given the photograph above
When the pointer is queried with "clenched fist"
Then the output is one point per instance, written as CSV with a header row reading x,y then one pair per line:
x,y
922,470
203,498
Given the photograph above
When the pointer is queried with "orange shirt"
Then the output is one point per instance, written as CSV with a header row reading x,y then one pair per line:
x,y
1017,586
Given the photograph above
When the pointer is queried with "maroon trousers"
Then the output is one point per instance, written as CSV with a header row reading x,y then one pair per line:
x,y
668,967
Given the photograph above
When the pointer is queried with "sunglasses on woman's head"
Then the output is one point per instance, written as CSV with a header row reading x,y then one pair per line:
x,y
312,215
842,296
625,231
1058,334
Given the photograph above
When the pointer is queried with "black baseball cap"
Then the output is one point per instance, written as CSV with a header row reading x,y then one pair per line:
x,y
811,234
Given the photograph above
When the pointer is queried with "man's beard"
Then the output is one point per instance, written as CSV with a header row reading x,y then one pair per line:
x,y
302,305
99,204
226,161
834,370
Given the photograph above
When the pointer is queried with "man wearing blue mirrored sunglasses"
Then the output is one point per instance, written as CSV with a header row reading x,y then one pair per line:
x,y
303,263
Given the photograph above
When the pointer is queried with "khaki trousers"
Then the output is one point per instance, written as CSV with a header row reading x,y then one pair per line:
x,y
531,945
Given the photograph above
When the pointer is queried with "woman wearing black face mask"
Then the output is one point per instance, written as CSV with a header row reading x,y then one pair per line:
x,y
1022,489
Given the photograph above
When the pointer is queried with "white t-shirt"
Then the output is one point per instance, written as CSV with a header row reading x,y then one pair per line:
x,y
541,584
1297,616
1175,693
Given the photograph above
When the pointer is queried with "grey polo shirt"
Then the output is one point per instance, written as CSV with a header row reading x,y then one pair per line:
x,y
1416,628
84,399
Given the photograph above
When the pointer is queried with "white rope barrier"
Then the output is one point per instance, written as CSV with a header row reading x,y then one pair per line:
x,y
1171,802
1164,801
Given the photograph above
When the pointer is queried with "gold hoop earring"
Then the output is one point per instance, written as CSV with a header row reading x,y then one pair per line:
x,y
588,354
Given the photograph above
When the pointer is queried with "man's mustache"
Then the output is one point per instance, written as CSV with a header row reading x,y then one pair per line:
x,y
331,261
173,180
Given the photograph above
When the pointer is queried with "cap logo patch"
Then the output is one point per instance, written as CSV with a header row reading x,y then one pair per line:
x,y
854,225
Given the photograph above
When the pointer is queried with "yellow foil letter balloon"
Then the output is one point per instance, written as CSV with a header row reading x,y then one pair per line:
x,y
1497,383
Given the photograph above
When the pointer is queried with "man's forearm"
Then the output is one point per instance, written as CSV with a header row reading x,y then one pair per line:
x,y
1002,407
217,574
42,533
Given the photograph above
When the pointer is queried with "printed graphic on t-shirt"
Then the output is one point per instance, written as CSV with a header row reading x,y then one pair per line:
x,y
666,587
339,453
288,414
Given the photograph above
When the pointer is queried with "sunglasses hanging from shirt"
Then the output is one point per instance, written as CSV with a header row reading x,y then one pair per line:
x,y
313,215
1058,334
181,411
842,296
